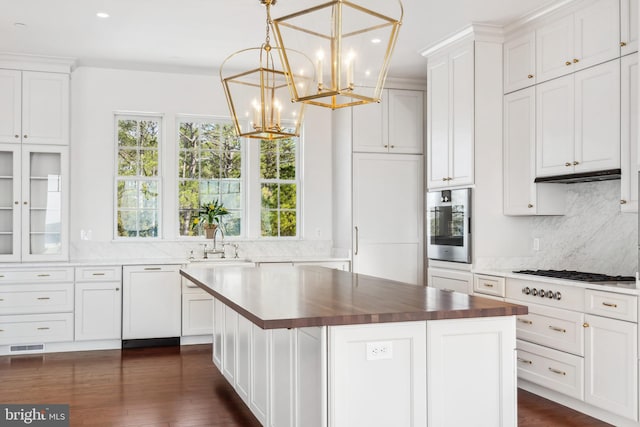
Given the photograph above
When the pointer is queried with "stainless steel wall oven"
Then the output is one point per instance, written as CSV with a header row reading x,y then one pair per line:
x,y
449,225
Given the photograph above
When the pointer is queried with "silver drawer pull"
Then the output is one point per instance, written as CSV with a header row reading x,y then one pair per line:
x,y
555,328
610,304
152,268
1,330
1,299
528,322
43,329
117,289
556,371
528,362
98,274
43,298
488,285
44,275
1,276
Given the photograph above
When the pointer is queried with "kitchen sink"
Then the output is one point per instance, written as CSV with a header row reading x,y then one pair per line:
x,y
220,261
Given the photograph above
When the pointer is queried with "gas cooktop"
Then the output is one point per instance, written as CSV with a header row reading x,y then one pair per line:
x,y
577,275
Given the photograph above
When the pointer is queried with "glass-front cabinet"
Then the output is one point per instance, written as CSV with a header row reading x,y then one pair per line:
x,y
33,203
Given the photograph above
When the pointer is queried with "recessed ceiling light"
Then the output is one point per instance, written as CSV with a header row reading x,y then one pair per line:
x,y
102,15
375,41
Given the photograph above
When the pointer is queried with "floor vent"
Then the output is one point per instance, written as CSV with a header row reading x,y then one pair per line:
x,y
36,347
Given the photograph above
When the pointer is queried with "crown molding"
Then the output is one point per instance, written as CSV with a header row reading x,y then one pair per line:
x,y
476,31
36,63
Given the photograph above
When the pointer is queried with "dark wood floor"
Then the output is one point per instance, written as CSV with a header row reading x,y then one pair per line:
x,y
170,386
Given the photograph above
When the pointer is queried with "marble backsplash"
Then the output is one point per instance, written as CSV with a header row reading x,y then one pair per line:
x,y
593,236
119,250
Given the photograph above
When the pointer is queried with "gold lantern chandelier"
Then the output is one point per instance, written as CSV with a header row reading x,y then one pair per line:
x,y
351,46
259,98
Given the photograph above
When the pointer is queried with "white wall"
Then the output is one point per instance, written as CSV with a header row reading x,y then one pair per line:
x,y
97,93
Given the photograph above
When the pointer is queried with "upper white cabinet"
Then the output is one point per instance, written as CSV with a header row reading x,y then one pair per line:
x,y
521,195
34,107
578,122
519,62
629,14
33,203
450,116
587,37
395,125
629,133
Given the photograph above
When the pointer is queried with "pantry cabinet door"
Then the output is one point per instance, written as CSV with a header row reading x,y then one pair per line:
x,y
554,49
519,62
596,34
629,133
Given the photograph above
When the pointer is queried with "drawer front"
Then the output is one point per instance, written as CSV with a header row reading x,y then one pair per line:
x,y
490,285
28,299
36,275
555,328
610,304
98,274
36,328
549,368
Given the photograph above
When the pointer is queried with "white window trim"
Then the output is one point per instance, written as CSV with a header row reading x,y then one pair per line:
x,y
131,115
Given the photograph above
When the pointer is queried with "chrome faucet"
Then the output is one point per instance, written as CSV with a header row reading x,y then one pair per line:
x,y
215,249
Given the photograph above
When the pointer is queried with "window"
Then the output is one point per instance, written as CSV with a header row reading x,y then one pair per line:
x,y
209,168
279,187
138,176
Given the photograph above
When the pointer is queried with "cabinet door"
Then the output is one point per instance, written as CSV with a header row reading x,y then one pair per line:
x,y
197,314
554,49
462,116
628,26
406,121
597,118
98,309
10,202
45,190
596,34
10,104
629,133
229,346
45,108
519,62
438,121
554,127
218,333
260,362
370,126
243,358
387,216
611,377
519,152
151,302
282,375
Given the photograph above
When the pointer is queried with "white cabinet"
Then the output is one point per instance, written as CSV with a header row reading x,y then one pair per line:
x,y
98,303
578,122
151,302
521,195
629,15
450,280
33,203
394,125
611,363
450,116
519,62
218,333
588,37
34,107
197,310
387,216
629,133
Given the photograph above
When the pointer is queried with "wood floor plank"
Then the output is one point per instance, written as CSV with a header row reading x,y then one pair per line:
x,y
171,387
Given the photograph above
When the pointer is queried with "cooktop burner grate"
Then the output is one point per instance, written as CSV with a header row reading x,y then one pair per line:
x,y
577,275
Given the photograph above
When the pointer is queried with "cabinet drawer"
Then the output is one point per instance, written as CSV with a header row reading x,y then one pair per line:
x,y
489,285
99,274
610,304
549,368
551,327
27,299
37,275
36,328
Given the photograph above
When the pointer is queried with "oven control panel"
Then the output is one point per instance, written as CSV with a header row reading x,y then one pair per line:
x,y
542,293
545,293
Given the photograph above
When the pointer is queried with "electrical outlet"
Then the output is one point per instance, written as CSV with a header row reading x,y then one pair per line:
x,y
379,350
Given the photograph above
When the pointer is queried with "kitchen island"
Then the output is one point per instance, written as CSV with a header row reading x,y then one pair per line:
x,y
312,346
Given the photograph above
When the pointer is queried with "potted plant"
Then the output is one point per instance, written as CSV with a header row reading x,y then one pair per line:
x,y
209,216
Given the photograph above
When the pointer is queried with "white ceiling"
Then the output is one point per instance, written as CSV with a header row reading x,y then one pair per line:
x,y
200,34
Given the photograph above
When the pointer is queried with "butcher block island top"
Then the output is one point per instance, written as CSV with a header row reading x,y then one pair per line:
x,y
306,296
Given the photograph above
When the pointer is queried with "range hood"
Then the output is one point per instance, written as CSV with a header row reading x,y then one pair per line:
x,y
603,175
